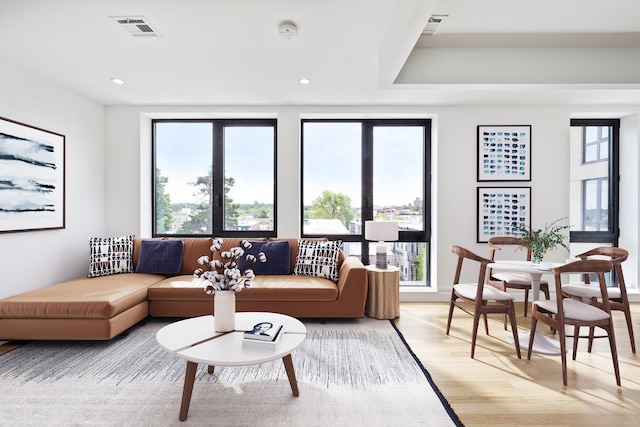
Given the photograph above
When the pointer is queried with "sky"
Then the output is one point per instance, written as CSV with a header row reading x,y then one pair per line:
x,y
183,153
332,153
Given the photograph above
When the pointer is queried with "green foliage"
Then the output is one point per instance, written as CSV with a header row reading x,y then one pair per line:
x,y
201,220
164,213
419,262
332,205
542,240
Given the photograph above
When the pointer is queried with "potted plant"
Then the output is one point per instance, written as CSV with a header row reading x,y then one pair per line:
x,y
542,240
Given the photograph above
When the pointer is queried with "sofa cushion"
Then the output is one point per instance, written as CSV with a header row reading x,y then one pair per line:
x,y
278,258
271,288
96,298
160,256
318,258
110,255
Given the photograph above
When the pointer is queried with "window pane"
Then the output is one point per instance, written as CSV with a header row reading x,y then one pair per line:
x,y
596,204
248,175
332,177
590,134
603,218
409,257
604,149
182,179
398,175
590,153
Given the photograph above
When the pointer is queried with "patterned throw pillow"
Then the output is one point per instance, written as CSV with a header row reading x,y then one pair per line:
x,y
110,255
318,258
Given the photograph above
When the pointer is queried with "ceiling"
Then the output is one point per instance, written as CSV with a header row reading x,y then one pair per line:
x,y
356,52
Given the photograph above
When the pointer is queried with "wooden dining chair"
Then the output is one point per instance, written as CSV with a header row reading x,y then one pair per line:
x,y
506,280
484,299
618,299
563,311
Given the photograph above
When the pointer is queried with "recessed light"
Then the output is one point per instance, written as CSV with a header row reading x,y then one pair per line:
x,y
117,81
305,81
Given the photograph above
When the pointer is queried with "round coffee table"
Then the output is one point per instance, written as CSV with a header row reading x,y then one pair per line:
x,y
196,341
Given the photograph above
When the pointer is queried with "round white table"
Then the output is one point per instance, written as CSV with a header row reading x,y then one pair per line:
x,y
196,341
541,343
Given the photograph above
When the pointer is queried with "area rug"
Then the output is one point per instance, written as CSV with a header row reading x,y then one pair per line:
x,y
357,372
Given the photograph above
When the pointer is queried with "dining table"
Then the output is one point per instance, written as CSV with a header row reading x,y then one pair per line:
x,y
533,272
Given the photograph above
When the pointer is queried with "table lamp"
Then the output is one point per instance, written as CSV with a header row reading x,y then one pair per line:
x,y
380,231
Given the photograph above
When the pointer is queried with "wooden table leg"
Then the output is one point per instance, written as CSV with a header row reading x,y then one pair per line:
x,y
189,379
210,369
291,373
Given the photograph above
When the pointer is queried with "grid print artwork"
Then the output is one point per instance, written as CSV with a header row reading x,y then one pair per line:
x,y
504,153
502,211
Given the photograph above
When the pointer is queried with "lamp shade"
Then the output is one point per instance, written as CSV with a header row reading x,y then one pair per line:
x,y
381,231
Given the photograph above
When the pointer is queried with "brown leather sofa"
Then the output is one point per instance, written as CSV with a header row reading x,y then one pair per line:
x,y
101,308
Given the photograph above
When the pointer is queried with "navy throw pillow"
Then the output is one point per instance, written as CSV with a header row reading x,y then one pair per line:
x,y
160,256
278,258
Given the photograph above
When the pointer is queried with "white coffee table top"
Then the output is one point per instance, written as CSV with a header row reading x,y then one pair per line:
x,y
196,340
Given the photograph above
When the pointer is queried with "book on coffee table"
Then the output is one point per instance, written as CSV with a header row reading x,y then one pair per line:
x,y
261,344
263,331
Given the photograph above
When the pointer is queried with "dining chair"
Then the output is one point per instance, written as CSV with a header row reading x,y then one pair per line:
x,y
484,299
618,299
506,280
564,311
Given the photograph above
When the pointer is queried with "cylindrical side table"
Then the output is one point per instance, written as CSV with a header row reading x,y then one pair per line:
x,y
383,298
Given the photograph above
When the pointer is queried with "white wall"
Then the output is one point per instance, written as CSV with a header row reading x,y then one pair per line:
x,y
34,259
454,182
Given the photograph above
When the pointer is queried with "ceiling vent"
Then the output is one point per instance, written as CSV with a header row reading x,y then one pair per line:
x,y
137,26
432,25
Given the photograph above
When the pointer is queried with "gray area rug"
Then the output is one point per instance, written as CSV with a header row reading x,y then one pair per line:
x,y
350,373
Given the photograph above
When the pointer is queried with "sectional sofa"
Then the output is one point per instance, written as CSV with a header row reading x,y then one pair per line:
x,y
121,293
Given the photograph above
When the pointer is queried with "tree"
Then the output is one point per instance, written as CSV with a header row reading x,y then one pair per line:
x,y
333,205
419,262
202,219
230,208
164,213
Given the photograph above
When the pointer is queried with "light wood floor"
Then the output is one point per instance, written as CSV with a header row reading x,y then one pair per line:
x,y
498,389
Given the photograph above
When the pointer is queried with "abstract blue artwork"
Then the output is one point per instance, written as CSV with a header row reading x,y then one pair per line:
x,y
504,153
32,178
502,211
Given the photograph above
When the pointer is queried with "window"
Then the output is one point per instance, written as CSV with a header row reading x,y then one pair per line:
x,y
594,176
595,143
358,170
596,204
214,177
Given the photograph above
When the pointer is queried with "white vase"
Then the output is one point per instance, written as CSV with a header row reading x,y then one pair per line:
x,y
224,311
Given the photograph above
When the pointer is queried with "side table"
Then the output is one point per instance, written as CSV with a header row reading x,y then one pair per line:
x,y
383,298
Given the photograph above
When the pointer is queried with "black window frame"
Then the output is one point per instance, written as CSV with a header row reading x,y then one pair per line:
x,y
613,234
217,161
368,125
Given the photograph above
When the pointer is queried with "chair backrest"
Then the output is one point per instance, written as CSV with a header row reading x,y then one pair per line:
x,y
616,255
463,254
584,266
496,243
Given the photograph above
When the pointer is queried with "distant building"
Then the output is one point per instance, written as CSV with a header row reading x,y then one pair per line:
x,y
324,226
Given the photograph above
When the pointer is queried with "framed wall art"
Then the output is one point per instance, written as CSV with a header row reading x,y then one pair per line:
x,y
504,153
32,178
502,211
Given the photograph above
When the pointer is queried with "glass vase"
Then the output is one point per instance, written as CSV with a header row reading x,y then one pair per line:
x,y
224,311
536,256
